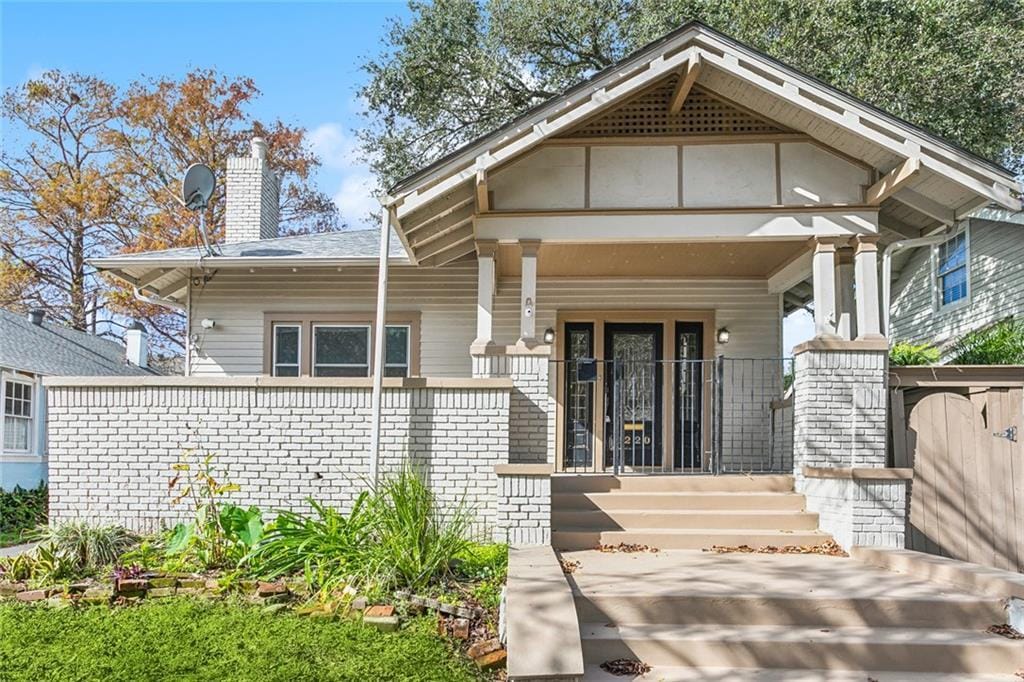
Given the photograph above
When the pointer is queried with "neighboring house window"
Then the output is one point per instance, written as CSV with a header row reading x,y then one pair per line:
x,y
951,271
339,345
17,416
287,341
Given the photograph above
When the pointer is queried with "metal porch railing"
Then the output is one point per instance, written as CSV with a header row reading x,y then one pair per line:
x,y
721,416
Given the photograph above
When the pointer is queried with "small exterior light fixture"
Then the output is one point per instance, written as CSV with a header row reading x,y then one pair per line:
x,y
549,335
722,335
528,307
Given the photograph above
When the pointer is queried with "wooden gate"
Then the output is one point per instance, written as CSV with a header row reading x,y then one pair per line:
x,y
967,495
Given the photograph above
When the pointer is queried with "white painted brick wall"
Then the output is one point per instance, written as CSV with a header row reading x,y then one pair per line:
x,y
859,512
112,447
524,509
532,407
840,421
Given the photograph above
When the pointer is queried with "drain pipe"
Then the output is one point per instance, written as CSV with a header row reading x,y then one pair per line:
x,y
887,256
156,300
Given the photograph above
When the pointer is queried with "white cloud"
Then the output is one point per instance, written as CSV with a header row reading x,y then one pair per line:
x,y
342,168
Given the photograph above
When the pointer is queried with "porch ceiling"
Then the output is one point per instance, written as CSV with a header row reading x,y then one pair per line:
x,y
700,259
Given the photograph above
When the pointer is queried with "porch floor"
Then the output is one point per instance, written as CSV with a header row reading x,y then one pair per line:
x,y
698,615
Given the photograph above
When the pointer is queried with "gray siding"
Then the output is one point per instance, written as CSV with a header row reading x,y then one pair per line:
x,y
996,287
446,301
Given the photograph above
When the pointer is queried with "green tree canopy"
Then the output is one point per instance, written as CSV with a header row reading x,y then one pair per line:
x,y
459,68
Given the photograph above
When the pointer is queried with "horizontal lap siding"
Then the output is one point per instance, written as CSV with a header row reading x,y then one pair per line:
x,y
744,306
446,301
996,287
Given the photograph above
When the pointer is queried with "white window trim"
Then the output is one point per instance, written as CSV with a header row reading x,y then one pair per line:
x,y
341,325
936,283
32,453
274,364
408,351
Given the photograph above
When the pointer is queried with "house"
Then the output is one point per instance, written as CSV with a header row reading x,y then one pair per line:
x,y
32,348
970,276
587,300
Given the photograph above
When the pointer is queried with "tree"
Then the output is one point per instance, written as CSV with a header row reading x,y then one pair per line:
x,y
57,194
459,68
87,170
165,125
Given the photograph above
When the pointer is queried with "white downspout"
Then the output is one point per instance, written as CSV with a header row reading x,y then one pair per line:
x,y
887,255
378,343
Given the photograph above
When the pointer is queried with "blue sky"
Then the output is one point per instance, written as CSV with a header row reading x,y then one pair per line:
x,y
305,58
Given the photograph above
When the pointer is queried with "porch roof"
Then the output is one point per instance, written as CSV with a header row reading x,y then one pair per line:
x,y
938,181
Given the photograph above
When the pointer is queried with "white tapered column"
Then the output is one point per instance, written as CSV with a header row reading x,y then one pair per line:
x,y
486,256
824,275
528,300
866,275
846,324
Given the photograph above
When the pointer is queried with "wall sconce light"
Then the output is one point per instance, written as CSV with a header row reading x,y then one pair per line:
x,y
528,307
723,335
549,336
207,323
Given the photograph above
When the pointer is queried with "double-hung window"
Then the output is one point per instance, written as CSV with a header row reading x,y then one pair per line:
x,y
18,411
951,272
340,346
396,351
341,350
286,343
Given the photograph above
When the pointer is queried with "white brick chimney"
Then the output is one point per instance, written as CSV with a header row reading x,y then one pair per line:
x,y
252,197
136,342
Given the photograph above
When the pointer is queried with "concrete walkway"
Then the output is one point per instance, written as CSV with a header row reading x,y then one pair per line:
x,y
15,550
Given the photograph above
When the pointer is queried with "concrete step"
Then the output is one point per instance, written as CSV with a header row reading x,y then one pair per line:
x,y
772,646
688,588
710,501
767,608
594,673
622,519
694,538
663,483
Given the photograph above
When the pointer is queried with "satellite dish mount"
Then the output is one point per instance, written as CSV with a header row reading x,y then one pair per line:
x,y
196,189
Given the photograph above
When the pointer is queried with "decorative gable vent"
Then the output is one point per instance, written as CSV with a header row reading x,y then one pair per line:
x,y
702,113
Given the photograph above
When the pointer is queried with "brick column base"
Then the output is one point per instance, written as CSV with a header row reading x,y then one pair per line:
x,y
840,426
524,505
531,416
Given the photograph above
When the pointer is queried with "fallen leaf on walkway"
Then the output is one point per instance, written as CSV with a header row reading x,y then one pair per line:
x,y
1004,631
626,666
626,548
569,566
830,548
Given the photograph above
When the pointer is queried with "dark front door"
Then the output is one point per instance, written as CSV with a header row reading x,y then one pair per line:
x,y
633,395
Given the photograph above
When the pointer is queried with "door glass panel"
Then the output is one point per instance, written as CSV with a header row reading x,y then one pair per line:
x,y
579,395
634,396
689,395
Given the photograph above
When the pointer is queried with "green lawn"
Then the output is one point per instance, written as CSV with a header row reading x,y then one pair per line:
x,y
181,639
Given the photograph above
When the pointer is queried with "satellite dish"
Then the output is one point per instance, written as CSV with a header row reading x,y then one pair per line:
x,y
196,189
197,186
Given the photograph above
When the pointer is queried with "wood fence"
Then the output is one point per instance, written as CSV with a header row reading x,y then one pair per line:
x,y
959,428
